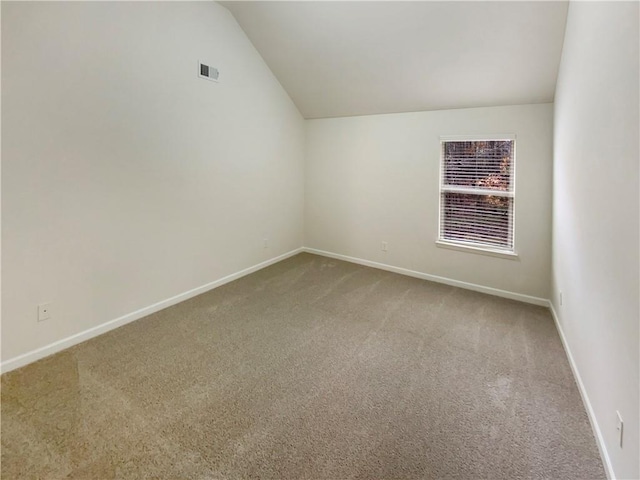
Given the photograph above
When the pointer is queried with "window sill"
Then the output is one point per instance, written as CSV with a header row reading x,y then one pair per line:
x,y
480,250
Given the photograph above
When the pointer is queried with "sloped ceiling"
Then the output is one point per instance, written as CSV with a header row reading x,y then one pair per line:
x,y
358,58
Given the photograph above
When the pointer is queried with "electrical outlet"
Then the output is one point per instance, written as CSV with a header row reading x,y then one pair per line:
x,y
265,242
619,427
560,297
44,312
384,246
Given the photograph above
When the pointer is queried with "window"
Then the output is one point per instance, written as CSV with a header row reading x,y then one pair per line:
x,y
477,190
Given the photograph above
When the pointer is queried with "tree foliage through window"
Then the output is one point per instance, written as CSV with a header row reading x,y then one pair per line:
x,y
477,192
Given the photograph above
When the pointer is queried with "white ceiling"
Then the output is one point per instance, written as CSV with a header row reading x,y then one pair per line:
x,y
357,58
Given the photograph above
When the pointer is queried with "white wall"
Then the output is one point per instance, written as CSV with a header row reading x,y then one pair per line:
x,y
376,178
595,215
126,178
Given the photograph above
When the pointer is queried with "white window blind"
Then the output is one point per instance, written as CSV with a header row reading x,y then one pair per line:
x,y
477,193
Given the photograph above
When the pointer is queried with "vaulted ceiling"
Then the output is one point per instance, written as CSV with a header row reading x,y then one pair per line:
x,y
358,58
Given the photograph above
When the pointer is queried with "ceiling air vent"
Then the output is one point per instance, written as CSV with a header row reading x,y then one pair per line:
x,y
210,73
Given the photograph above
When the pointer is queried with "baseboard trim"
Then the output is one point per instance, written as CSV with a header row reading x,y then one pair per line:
x,y
506,294
604,454
433,278
39,353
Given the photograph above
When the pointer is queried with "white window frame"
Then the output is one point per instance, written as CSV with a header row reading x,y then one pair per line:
x,y
469,247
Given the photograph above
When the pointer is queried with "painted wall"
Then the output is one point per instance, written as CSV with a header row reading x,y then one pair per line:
x,y
126,178
595,215
375,179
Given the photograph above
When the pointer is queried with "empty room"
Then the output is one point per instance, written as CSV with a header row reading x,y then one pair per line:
x,y
320,240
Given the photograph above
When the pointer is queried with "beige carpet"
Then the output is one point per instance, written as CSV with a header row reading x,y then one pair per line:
x,y
309,369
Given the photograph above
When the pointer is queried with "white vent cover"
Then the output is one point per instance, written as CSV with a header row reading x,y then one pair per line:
x,y
208,72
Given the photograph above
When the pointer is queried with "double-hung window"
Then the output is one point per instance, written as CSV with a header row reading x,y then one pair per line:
x,y
477,193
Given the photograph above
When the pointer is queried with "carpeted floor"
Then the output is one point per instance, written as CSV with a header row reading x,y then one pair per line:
x,y
309,369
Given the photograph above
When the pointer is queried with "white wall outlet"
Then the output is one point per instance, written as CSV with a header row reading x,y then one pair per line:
x,y
265,242
44,312
560,297
384,246
619,427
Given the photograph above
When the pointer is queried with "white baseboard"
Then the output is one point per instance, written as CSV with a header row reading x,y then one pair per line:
x,y
32,356
506,294
60,345
608,467
434,278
